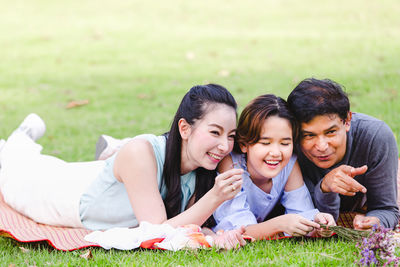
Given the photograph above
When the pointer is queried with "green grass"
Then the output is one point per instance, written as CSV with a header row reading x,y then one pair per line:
x,y
134,60
298,252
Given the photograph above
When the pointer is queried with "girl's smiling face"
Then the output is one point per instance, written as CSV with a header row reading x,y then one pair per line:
x,y
208,140
271,153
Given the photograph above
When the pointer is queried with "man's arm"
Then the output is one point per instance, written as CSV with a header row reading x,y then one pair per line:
x,y
381,178
326,202
338,181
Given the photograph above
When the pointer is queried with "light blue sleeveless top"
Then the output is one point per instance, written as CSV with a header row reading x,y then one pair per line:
x,y
105,204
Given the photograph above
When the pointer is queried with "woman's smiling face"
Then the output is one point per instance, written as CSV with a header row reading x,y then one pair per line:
x,y
271,153
209,139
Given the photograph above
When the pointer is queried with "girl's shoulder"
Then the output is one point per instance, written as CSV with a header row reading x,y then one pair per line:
x,y
281,179
239,160
291,162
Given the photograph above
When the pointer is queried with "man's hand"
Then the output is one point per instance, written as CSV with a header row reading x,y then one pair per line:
x,y
362,222
341,180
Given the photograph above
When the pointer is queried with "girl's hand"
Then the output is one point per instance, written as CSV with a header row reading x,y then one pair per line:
x,y
296,225
228,184
324,218
230,239
327,219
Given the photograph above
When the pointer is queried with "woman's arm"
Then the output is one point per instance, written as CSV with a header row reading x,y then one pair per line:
x,y
205,206
136,167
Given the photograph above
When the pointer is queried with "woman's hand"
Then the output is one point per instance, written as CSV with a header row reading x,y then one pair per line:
x,y
228,184
327,219
230,239
296,225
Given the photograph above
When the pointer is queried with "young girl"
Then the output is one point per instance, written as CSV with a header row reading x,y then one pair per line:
x,y
264,149
151,178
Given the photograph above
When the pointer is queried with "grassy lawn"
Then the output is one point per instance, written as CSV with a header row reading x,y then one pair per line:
x,y
134,60
298,252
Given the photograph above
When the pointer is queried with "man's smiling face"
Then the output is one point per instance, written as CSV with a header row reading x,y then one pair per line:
x,y
323,139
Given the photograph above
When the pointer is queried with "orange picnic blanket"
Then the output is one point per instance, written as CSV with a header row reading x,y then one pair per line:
x,y
19,227
23,229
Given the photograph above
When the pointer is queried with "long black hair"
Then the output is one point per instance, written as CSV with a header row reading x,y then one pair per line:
x,y
192,108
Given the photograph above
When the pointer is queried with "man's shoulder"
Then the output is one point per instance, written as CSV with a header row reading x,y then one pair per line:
x,y
365,126
364,119
370,134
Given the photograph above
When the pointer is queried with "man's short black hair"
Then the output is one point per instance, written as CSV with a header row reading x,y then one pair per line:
x,y
313,97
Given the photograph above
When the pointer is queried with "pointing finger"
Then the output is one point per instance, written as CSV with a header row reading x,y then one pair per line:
x,y
358,171
355,186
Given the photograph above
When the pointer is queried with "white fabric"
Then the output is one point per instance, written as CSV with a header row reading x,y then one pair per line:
x,y
131,238
44,188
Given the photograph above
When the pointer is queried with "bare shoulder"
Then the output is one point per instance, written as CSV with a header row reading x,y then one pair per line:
x,y
137,153
295,179
225,164
134,148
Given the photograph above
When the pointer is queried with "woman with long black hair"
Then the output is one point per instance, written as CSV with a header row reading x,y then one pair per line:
x,y
151,178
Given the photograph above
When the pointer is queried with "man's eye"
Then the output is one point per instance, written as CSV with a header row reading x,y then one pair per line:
x,y
308,136
331,132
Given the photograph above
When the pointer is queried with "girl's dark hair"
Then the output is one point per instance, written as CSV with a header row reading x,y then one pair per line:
x,y
192,108
255,113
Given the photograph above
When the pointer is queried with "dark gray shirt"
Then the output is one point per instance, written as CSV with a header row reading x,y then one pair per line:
x,y
369,142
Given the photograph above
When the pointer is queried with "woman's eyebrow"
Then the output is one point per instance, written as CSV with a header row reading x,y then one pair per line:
x,y
216,125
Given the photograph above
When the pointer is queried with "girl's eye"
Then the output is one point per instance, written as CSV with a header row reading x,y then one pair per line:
x,y
232,136
215,132
265,143
285,144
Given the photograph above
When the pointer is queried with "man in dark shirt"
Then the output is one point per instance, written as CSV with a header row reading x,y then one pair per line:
x,y
348,160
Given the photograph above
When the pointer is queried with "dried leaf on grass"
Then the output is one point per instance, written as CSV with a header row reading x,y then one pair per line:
x,y
143,96
77,103
87,255
24,250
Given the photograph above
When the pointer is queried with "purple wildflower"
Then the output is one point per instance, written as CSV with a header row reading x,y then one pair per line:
x,y
378,248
